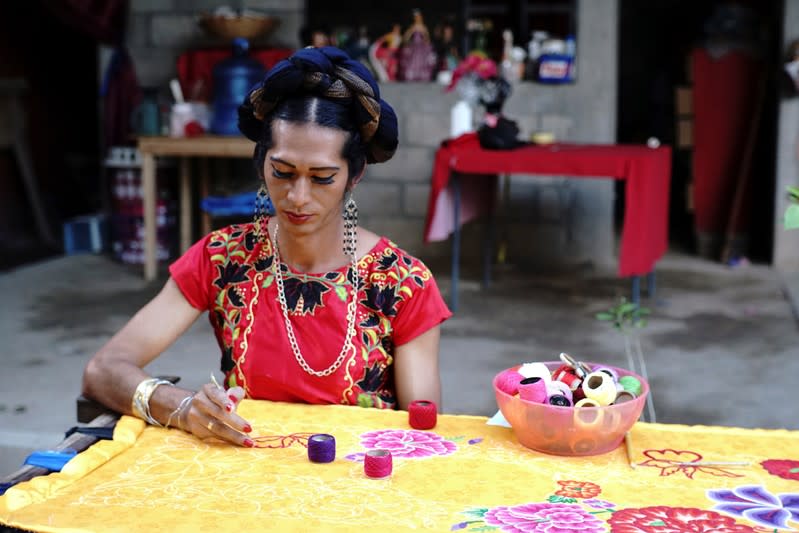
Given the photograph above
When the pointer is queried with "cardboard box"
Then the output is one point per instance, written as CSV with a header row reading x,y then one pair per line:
x,y
683,101
685,133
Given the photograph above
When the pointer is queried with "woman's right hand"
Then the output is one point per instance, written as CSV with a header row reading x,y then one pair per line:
x,y
212,414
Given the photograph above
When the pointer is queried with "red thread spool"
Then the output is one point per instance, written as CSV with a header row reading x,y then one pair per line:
x,y
567,375
422,414
377,464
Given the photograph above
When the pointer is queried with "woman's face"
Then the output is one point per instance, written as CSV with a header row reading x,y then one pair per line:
x,y
306,175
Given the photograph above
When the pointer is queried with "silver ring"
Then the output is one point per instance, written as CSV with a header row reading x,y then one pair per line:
x,y
209,426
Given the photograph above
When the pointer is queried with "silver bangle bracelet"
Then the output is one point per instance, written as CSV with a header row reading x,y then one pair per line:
x,y
179,410
140,404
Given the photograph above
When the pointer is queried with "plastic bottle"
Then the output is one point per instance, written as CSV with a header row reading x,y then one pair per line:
x,y
571,51
534,50
460,119
232,80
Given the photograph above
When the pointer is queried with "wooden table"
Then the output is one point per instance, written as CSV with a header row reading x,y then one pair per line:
x,y
185,148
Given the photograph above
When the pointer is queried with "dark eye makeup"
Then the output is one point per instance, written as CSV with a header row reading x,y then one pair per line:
x,y
323,180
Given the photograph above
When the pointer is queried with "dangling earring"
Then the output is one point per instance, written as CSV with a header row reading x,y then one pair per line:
x,y
263,207
350,226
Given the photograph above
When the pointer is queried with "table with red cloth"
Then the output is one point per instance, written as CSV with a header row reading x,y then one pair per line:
x,y
195,67
646,172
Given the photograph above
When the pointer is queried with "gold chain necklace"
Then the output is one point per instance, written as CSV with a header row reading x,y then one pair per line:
x,y
281,296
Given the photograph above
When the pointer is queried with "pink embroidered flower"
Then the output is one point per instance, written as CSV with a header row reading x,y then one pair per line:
x,y
578,489
544,518
408,443
784,468
673,461
663,519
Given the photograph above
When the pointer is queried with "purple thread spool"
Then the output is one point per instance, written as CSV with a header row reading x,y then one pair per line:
x,y
533,389
321,448
558,388
609,371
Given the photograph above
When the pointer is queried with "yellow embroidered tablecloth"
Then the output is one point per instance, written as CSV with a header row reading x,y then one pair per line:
x,y
462,475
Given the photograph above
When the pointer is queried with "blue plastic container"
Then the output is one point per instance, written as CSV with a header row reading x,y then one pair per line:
x,y
555,68
232,80
85,234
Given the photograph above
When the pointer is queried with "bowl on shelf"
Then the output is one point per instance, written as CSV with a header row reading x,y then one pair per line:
x,y
246,25
574,431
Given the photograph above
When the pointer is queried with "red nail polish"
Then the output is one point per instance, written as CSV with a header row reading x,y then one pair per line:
x,y
249,443
228,407
247,428
233,398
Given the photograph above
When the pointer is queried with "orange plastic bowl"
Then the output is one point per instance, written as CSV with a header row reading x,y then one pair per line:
x,y
568,430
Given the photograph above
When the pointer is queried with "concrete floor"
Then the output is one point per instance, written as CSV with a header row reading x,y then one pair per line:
x,y
721,347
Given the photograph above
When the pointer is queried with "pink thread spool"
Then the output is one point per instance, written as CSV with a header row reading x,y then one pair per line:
x,y
533,389
377,464
508,382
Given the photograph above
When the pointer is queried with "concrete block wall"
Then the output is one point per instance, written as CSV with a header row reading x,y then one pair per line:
x,y
786,243
547,221
159,30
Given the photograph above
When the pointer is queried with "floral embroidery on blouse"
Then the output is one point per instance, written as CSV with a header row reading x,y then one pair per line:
x,y
387,280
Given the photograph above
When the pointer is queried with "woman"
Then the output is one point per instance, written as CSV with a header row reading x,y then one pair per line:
x,y
305,305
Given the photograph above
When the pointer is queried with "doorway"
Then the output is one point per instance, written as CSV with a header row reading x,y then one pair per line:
x,y
58,66
658,44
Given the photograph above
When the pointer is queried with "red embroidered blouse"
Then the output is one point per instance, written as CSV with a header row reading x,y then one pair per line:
x,y
229,273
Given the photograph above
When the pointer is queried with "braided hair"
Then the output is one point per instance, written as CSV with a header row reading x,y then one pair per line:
x,y
322,86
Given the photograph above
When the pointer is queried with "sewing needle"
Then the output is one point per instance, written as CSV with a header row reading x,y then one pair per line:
x,y
628,445
714,463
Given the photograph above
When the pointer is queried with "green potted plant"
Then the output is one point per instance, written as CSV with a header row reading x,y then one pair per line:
x,y
629,318
791,219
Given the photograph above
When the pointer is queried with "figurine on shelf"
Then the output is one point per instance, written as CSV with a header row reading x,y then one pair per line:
x,y
316,36
447,55
358,47
512,65
417,59
478,30
384,54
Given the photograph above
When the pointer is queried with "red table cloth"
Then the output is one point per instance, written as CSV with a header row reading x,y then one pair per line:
x,y
646,171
